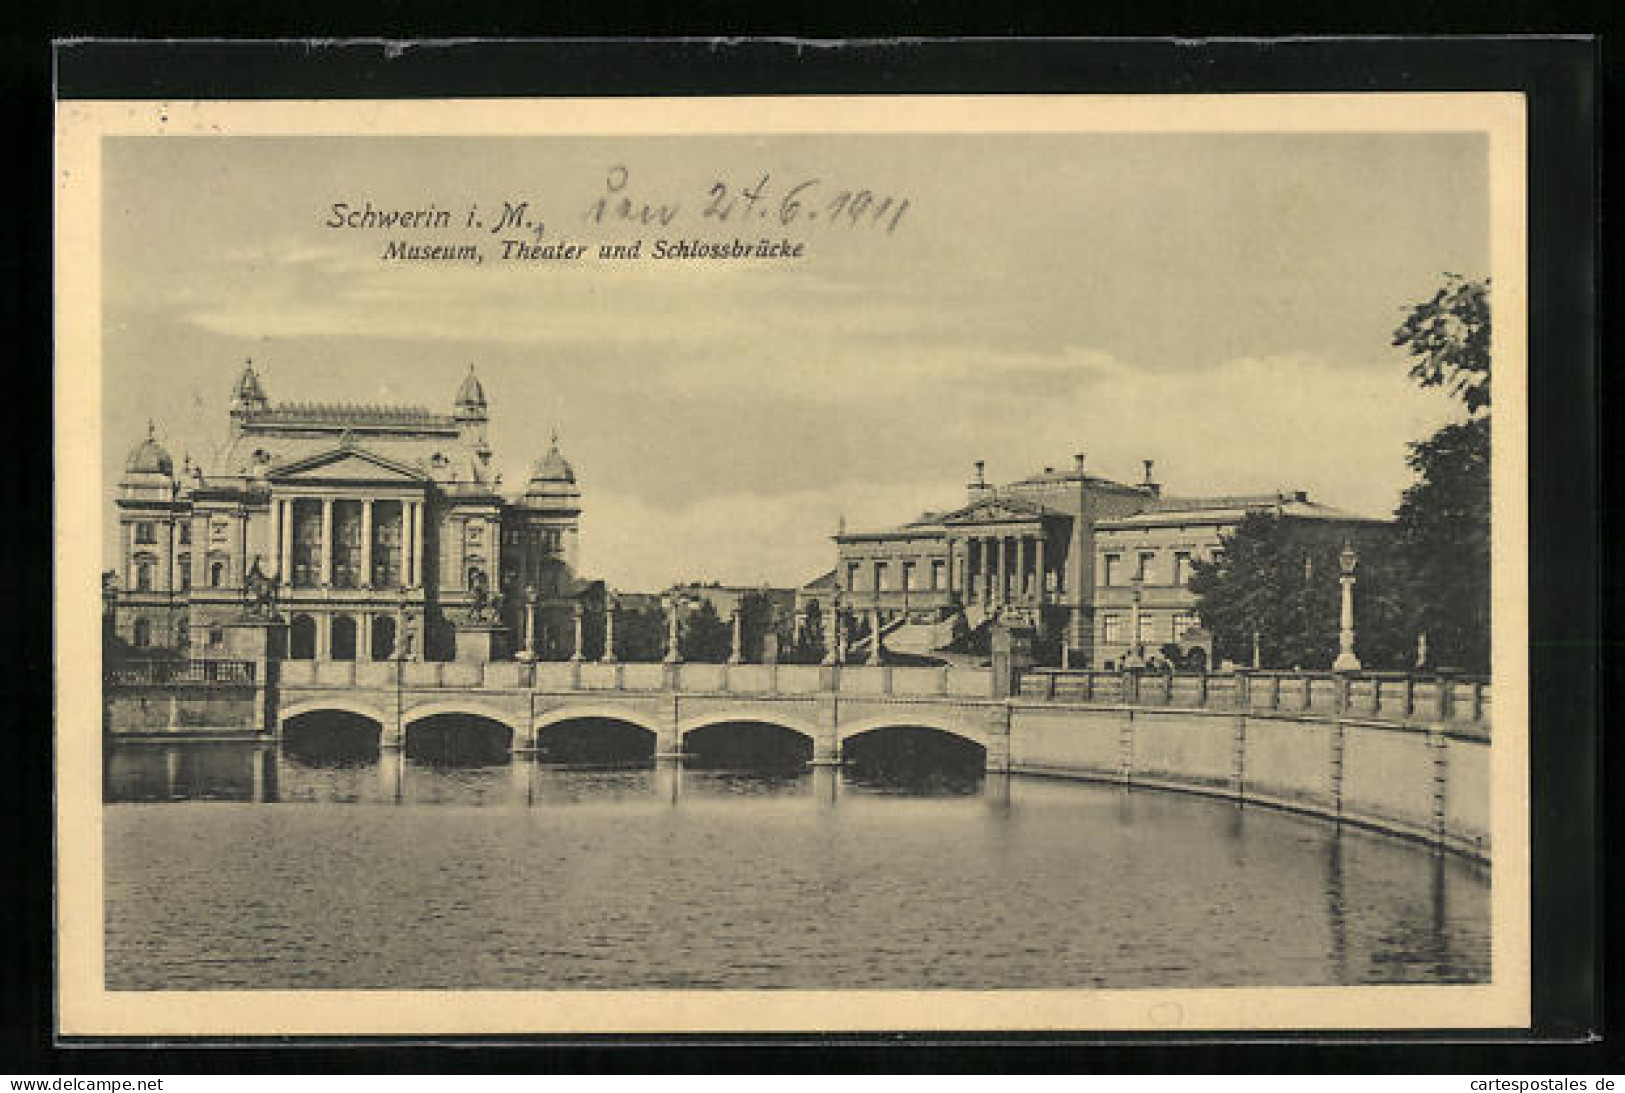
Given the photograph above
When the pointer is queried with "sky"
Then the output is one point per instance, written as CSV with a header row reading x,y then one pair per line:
x,y
1220,303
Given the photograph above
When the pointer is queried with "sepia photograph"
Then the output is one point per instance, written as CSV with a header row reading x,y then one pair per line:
x,y
792,564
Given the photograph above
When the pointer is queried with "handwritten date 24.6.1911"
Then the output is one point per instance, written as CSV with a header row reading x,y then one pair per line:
x,y
806,201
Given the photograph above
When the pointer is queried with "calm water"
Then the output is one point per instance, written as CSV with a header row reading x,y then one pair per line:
x,y
230,866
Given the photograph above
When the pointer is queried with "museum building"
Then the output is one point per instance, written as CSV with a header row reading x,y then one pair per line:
x,y
1097,568
383,529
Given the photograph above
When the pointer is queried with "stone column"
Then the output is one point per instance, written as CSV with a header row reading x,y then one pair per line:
x,y
998,584
737,655
950,570
609,633
674,654
1023,588
575,618
527,625
363,637
324,636
274,541
417,543
366,543
1346,660
839,637
832,622
1039,574
285,548
327,542
876,650
1136,657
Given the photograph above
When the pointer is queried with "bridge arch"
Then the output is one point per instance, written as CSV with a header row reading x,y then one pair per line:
x,y
327,704
746,715
600,713
914,718
514,723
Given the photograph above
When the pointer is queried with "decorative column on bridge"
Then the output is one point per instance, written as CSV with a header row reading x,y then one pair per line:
x,y
876,649
608,656
527,624
832,629
737,654
673,654
1346,661
1136,654
575,620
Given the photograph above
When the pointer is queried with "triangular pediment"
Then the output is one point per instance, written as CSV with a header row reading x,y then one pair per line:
x,y
348,465
996,510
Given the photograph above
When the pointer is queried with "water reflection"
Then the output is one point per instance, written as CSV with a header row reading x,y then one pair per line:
x,y
525,873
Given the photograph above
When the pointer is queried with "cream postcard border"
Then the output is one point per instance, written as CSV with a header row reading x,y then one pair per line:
x,y
85,1008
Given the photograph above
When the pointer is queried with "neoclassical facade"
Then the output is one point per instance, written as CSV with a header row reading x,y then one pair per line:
x,y
1093,567
383,528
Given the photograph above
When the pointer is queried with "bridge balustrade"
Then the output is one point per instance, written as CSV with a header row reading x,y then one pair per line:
x,y
1373,696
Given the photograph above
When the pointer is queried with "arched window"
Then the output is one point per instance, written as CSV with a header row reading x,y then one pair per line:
x,y
302,638
341,640
141,634
217,574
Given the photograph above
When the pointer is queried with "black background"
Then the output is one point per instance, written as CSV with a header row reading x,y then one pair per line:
x,y
1568,513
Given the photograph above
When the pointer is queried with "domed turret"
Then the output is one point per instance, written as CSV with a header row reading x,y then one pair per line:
x,y
552,480
248,394
149,457
471,397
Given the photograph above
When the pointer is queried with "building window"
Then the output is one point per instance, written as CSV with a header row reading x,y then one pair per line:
x,y
143,577
1182,568
552,540
1147,628
217,637
1145,566
141,634
1184,623
144,533
184,564
1112,572
852,576
217,574
939,570
880,576
908,576
1111,629
186,531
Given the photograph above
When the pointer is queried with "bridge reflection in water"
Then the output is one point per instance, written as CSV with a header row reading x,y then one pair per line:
x,y
909,867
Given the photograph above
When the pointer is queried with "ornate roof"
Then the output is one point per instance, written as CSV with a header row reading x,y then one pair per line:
x,y
346,413
553,467
471,395
248,389
149,457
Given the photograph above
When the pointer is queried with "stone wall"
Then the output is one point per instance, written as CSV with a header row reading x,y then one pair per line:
x,y
1425,782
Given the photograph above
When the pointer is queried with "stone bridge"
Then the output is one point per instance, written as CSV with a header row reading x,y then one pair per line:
x,y
1406,755
828,705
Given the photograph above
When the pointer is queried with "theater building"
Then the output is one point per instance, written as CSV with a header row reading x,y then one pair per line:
x,y
384,529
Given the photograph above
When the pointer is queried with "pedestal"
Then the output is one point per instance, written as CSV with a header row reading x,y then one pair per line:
x,y
477,641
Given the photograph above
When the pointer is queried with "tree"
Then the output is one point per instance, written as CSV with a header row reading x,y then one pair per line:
x,y
1442,533
1277,578
705,636
640,634
1449,337
1442,537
